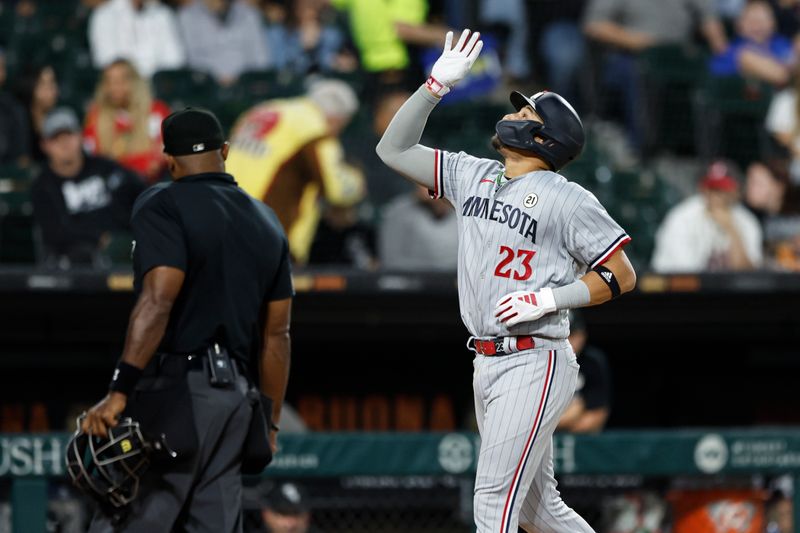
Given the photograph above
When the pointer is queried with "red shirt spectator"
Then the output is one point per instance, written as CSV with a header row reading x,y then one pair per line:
x,y
124,122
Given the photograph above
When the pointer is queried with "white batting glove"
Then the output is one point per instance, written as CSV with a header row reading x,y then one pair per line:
x,y
524,306
455,62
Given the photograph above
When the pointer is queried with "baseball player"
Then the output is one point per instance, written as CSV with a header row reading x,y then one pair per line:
x,y
531,246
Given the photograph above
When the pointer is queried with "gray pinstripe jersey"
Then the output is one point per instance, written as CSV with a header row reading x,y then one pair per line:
x,y
537,230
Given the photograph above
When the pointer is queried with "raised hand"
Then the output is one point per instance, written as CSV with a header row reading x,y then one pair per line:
x,y
454,62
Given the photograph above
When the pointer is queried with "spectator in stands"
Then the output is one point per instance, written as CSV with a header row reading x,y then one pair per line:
x,y
382,31
776,203
343,238
787,17
124,121
757,51
301,39
780,513
782,235
729,10
13,126
362,147
223,38
591,404
418,233
783,123
629,27
709,231
635,26
287,153
37,89
286,510
78,200
764,190
510,17
141,31
561,45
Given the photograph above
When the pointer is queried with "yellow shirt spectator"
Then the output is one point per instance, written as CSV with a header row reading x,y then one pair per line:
x,y
372,23
285,152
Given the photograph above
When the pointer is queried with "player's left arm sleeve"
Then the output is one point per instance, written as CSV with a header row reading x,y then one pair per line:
x,y
592,235
159,235
399,147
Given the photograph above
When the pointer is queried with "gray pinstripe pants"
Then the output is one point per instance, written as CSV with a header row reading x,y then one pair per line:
x,y
519,399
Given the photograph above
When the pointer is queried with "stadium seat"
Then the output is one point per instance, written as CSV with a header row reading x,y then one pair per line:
x,y
183,87
229,111
13,177
16,228
259,85
77,88
730,113
119,248
6,23
356,80
669,75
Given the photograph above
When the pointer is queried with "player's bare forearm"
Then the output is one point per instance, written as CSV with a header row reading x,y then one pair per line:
x,y
623,271
276,354
150,315
146,328
399,147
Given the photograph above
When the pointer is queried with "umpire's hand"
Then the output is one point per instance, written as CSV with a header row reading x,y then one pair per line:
x,y
104,414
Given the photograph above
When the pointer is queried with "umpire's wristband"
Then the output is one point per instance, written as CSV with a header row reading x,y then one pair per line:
x,y
124,378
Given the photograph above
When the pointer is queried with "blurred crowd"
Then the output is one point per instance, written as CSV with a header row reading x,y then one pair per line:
x,y
690,107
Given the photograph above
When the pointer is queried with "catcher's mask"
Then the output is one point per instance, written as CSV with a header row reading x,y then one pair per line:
x,y
109,469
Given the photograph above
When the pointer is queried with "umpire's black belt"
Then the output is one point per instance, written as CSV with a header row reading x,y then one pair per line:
x,y
176,365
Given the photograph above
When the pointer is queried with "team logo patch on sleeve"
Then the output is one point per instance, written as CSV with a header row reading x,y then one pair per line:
x,y
531,200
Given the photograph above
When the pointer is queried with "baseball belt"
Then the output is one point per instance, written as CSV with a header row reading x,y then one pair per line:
x,y
501,345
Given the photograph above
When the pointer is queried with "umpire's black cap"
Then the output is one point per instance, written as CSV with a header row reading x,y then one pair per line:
x,y
191,131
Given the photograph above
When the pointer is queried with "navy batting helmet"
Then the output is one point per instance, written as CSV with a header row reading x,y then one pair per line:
x,y
557,140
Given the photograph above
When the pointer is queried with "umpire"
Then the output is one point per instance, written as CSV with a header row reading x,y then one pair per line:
x,y
213,282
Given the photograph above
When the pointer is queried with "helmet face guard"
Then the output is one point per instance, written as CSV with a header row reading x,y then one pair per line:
x,y
109,470
557,140
521,134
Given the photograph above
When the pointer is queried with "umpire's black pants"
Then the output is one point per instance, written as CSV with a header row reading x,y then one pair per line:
x,y
205,495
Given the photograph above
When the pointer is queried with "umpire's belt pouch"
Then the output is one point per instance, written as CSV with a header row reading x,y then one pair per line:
x,y
257,453
162,404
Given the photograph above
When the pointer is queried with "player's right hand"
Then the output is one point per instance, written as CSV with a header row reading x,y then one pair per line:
x,y
524,306
455,61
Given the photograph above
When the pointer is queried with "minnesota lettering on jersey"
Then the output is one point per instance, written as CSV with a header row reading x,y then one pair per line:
x,y
502,213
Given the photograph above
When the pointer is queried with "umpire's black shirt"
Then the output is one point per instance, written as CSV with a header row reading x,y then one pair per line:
x,y
232,249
